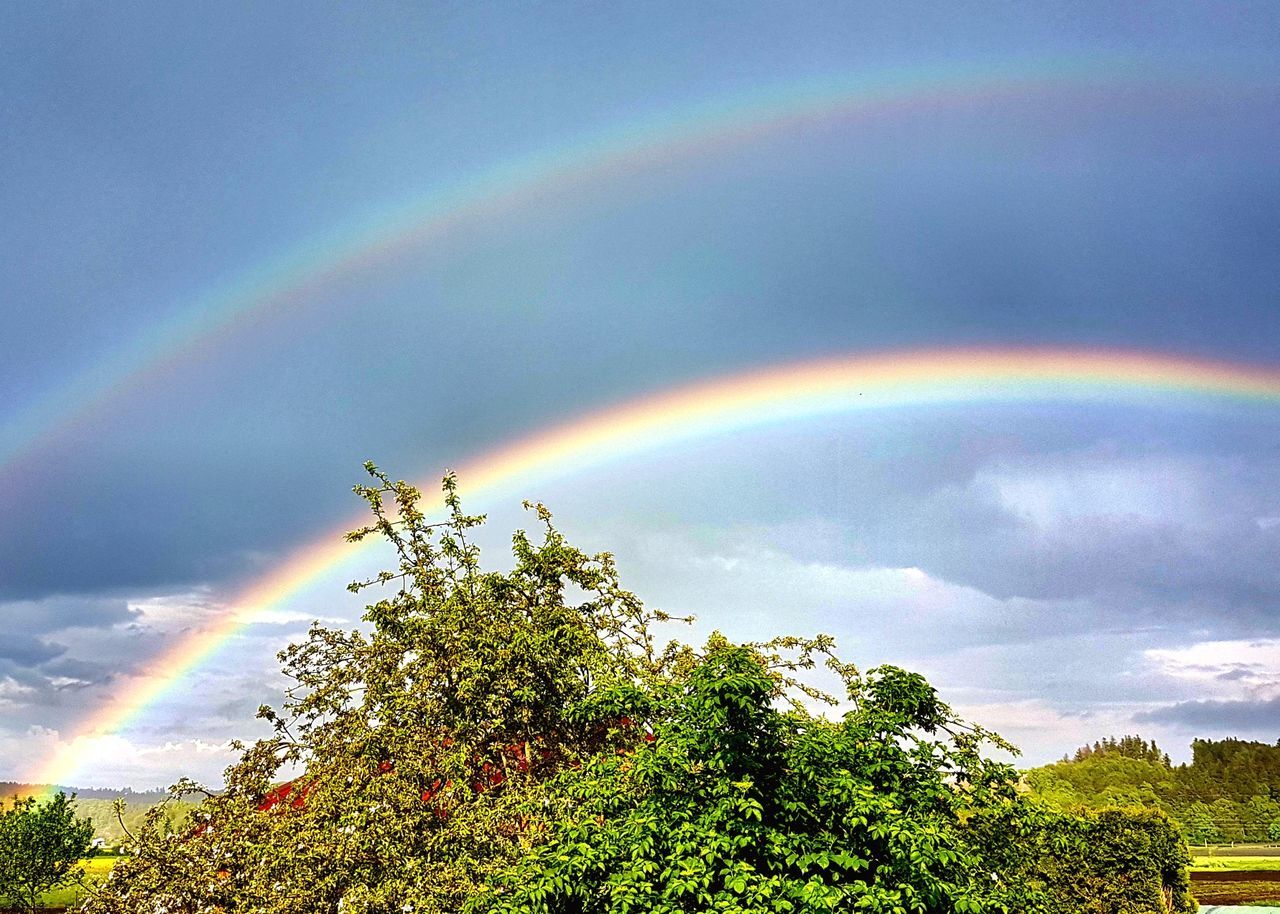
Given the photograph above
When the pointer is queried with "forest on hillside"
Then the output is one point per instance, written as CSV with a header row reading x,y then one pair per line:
x,y
97,804
1229,792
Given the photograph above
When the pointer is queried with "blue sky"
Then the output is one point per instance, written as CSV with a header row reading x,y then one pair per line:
x,y
1061,572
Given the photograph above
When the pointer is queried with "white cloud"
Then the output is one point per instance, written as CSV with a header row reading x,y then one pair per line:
x,y
12,692
1162,489
1237,669
116,760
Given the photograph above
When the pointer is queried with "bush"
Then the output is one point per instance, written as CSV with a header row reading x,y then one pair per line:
x,y
1119,860
735,805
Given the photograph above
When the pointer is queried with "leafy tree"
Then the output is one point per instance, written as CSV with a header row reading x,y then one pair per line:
x,y
411,744
40,845
525,741
1229,792
1198,825
735,805
1134,747
1117,860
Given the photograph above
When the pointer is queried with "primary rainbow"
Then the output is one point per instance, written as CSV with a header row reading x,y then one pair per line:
x,y
716,407
494,193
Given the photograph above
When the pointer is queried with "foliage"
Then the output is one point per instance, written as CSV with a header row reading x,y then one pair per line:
x,y
524,741
1229,792
737,806
418,738
1117,860
41,844
1134,747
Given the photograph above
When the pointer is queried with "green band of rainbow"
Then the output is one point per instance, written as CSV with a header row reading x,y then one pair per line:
x,y
717,407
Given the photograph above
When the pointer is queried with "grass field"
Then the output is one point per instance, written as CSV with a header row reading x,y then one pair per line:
x,y
95,870
1249,878
1236,863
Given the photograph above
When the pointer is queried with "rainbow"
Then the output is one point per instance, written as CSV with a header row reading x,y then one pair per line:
x,y
710,408
357,248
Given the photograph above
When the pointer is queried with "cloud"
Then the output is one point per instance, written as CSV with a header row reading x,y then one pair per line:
x,y
1260,718
1025,572
13,692
25,650
58,613
1172,536
1224,669
115,760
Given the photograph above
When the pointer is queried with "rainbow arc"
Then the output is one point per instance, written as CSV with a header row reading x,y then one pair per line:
x,y
714,407
302,273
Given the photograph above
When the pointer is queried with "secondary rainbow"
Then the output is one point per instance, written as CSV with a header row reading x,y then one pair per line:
x,y
290,280
706,409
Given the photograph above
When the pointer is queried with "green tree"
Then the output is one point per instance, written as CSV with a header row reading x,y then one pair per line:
x,y
41,844
735,805
411,744
1117,860
1198,825
525,740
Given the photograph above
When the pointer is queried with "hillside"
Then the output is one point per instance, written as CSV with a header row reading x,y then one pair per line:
x,y
1229,792
96,804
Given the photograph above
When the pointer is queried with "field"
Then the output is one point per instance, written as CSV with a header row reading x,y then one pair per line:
x,y
1238,864
95,870
1237,875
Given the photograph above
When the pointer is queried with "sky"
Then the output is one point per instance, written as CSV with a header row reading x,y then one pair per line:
x,y
216,306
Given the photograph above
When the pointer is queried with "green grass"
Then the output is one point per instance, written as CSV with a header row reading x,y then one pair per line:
x,y
1236,863
95,870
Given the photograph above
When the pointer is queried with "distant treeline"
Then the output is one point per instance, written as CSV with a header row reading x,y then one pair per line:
x,y
97,804
150,797
1229,792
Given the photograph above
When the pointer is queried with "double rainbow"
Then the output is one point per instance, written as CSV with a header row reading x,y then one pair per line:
x,y
718,407
486,197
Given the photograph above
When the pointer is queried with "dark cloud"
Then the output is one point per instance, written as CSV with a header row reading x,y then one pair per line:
x,y
53,614
1213,557
1217,717
1102,519
85,671
27,651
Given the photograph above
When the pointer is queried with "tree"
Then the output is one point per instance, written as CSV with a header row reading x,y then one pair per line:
x,y
524,740
736,805
1198,825
412,743
40,845
1116,860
